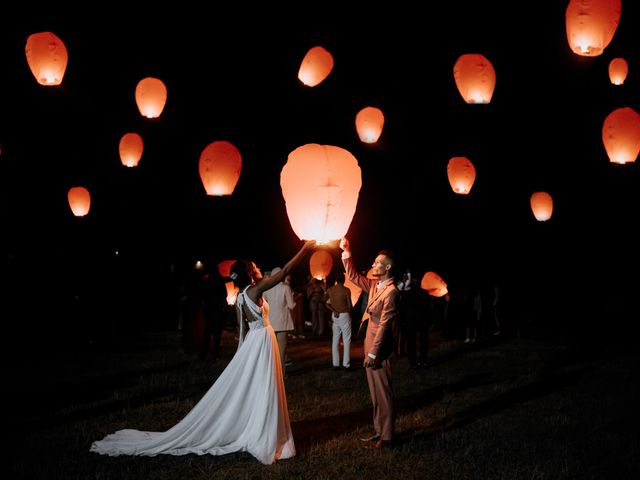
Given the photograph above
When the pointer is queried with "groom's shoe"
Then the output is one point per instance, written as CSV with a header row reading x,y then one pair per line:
x,y
373,438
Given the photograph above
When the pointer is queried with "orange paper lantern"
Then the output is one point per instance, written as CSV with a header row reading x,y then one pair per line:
x,y
475,78
542,206
79,201
47,58
591,25
320,264
462,174
224,268
434,284
618,70
131,147
320,185
151,97
369,123
315,67
220,166
621,135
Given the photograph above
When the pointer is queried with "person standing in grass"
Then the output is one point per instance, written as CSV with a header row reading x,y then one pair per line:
x,y
339,302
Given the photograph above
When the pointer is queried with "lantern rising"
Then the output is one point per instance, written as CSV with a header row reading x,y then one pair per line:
x,y
320,185
621,135
475,78
618,70
591,25
320,264
542,206
369,123
220,166
434,284
47,58
131,147
79,201
151,97
315,67
462,174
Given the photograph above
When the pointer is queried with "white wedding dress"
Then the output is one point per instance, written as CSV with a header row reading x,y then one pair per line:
x,y
244,410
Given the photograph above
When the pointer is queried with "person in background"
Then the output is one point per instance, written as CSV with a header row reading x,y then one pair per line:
x,y
281,304
339,302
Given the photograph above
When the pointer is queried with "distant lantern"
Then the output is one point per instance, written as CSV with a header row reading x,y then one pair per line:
x,y
434,284
355,290
79,201
315,67
542,206
224,267
462,174
151,97
475,78
47,58
232,292
220,166
320,185
131,147
320,264
591,25
369,123
618,70
621,135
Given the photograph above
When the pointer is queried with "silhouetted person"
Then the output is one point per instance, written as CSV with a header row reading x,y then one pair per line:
x,y
416,314
213,295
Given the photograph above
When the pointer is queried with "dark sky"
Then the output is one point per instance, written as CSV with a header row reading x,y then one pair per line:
x,y
233,77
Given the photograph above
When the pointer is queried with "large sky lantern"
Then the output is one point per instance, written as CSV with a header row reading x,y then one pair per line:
x,y
475,78
131,147
220,166
369,123
47,58
591,24
79,201
315,67
434,284
151,97
541,206
320,264
618,69
462,174
621,135
320,185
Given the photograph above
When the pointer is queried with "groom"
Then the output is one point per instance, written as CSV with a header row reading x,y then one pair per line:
x,y
379,343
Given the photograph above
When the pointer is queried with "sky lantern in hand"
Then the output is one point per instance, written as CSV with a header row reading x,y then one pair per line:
x,y
315,67
591,25
369,123
542,206
79,201
47,58
320,264
621,135
131,147
434,284
475,78
618,70
462,174
320,185
151,97
220,166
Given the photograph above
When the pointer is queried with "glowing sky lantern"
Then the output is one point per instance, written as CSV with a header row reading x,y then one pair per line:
x,y
79,201
320,264
542,206
434,284
355,290
618,70
47,58
131,147
462,174
320,185
151,97
315,67
369,123
621,135
224,267
220,166
591,25
475,78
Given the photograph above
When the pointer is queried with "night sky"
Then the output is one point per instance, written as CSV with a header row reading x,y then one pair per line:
x,y
233,78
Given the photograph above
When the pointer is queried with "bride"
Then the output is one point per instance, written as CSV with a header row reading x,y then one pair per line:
x,y
246,408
